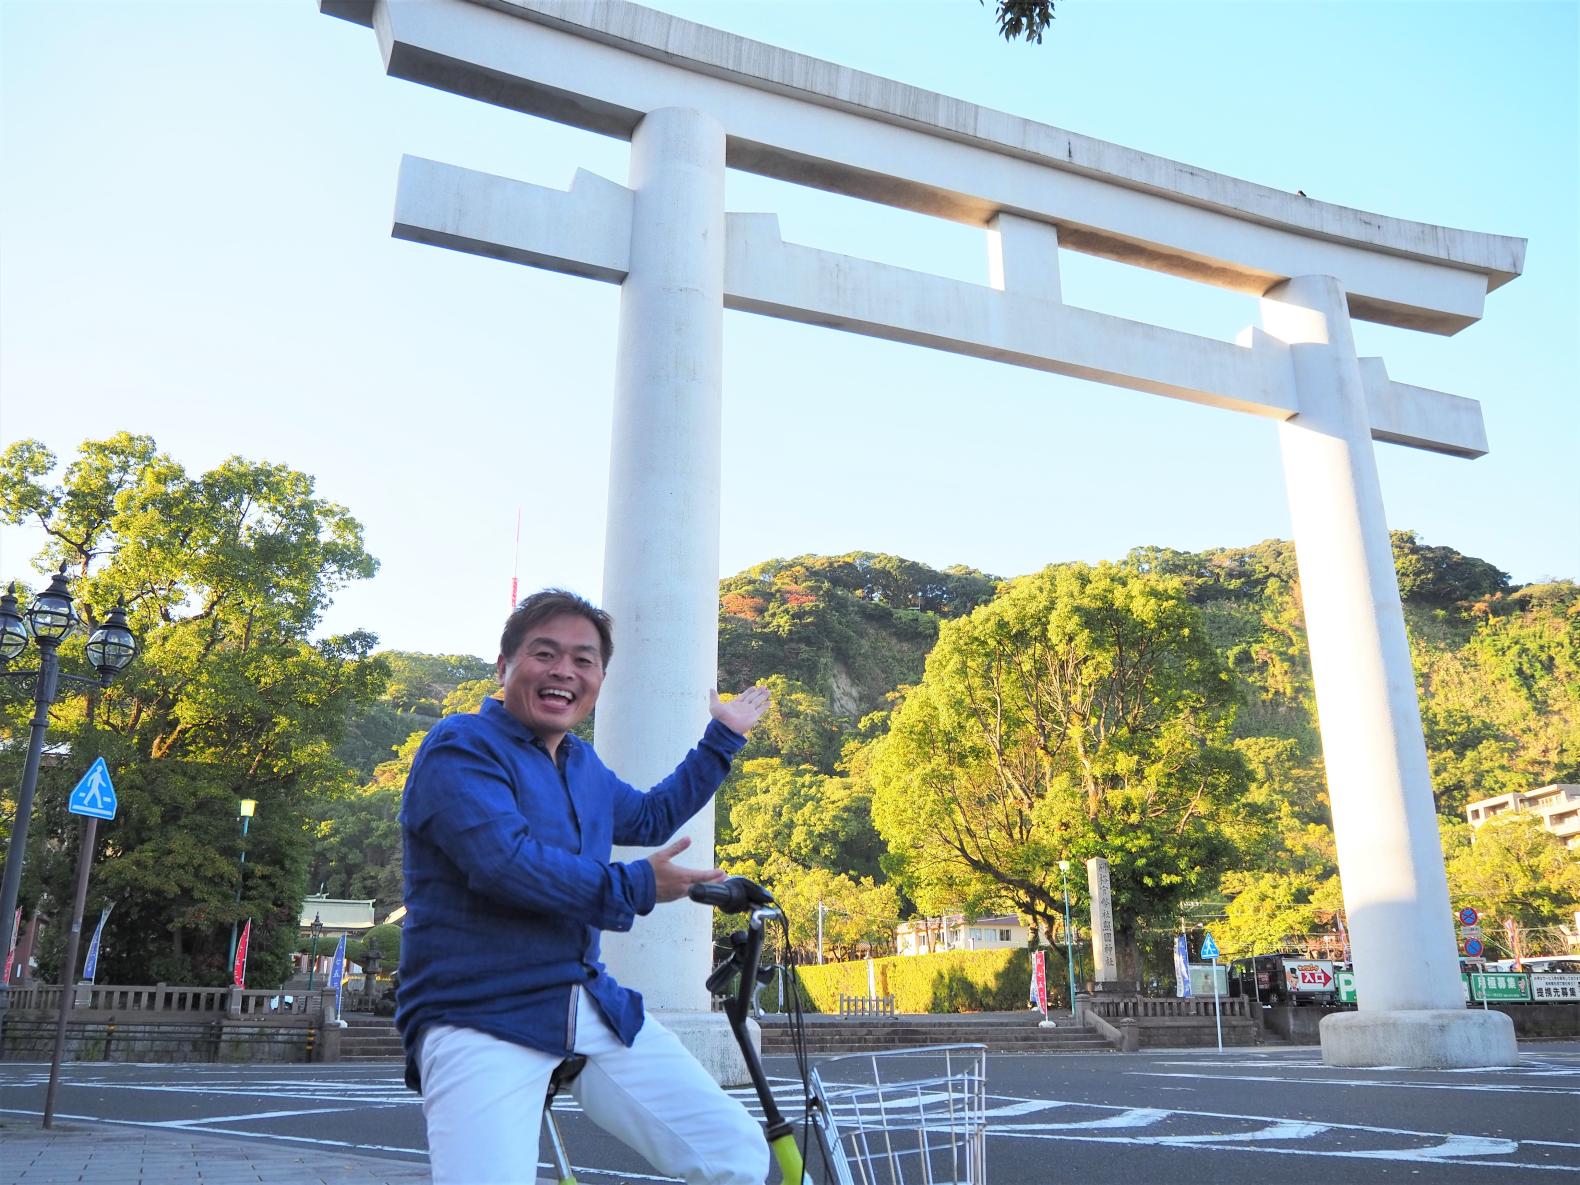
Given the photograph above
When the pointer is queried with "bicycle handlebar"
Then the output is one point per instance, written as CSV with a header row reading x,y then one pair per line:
x,y
734,895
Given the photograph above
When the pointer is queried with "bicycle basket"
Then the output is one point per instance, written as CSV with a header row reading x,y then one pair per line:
x,y
905,1116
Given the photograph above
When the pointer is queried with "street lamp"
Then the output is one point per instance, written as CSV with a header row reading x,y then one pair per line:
x,y
1069,942
49,618
316,929
244,813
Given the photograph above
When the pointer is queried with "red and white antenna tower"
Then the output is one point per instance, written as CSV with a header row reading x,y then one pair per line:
x,y
515,563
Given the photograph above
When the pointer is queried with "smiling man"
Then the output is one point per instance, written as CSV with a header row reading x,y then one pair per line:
x,y
508,821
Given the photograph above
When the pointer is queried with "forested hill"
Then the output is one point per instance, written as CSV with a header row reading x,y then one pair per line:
x,y
848,628
910,767
866,785
938,742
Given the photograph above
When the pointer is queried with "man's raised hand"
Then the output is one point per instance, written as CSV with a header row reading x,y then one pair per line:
x,y
740,713
670,881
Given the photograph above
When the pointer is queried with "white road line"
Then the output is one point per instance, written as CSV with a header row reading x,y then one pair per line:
x,y
256,1115
1287,1130
1485,1088
1448,1146
271,1137
339,1096
251,1135
1456,1146
1019,1107
1224,1144
1136,1117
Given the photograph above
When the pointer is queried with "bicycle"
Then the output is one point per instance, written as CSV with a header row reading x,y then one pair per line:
x,y
899,1117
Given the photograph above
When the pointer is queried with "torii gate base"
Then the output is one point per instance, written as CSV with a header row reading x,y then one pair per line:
x,y
1433,1039
695,101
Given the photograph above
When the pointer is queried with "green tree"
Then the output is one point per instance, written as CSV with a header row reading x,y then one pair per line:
x,y
1441,576
1023,19
357,849
799,728
813,819
225,576
848,629
1512,867
1081,713
1502,711
858,914
419,688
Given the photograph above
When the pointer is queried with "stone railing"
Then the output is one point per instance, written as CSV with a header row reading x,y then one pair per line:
x,y
1130,1021
1168,1007
165,1002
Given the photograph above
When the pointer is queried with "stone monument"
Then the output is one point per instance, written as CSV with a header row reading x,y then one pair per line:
x,y
1099,888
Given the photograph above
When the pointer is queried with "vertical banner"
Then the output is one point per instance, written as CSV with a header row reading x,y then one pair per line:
x,y
1512,929
90,969
1039,979
337,973
1182,987
1344,935
10,946
239,971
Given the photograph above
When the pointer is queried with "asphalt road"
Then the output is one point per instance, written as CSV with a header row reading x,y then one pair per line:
x,y
1243,1116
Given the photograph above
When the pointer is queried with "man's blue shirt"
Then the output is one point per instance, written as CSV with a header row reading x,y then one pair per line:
x,y
509,882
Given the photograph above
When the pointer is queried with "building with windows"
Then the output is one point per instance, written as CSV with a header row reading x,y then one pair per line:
x,y
922,936
1557,806
337,915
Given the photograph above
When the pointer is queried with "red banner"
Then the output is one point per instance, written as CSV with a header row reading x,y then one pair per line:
x,y
239,972
1039,977
10,946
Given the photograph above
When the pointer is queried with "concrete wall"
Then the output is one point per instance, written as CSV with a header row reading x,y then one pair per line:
x,y
1531,1021
1195,1032
33,1039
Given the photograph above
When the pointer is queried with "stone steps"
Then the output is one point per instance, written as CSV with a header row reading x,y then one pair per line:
x,y
1006,1033
369,1038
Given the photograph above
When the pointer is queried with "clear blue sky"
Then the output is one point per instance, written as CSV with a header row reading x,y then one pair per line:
x,y
195,218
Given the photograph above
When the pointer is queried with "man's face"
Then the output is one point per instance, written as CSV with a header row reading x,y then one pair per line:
x,y
551,682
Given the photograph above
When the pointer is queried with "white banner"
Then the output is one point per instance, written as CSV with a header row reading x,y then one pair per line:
x,y
1551,986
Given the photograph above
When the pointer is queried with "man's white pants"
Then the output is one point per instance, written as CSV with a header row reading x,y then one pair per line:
x,y
483,1102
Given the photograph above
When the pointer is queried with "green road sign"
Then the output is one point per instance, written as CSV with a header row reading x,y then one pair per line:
x,y
1344,981
1495,987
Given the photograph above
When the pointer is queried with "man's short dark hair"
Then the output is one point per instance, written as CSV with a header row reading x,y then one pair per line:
x,y
555,602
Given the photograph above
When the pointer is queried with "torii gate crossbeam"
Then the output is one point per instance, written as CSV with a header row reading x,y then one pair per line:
x,y
693,101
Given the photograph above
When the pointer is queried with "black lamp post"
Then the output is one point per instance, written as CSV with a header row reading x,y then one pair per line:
x,y
316,929
244,813
1069,942
49,618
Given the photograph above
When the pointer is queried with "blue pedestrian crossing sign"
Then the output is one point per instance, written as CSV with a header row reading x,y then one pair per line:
x,y
1209,948
94,795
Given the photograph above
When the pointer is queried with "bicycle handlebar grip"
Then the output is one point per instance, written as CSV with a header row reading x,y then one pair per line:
x,y
734,895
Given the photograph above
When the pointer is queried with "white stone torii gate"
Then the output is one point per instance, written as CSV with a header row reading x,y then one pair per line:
x,y
694,100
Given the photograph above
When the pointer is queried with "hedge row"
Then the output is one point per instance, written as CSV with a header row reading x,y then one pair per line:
x,y
948,981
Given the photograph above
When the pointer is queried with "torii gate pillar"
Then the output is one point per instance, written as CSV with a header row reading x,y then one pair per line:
x,y
661,551
1395,893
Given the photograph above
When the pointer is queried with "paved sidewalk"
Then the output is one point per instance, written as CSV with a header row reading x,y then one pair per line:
x,y
115,1154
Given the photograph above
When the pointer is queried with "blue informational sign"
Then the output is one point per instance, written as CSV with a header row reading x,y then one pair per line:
x,y
1209,948
94,795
